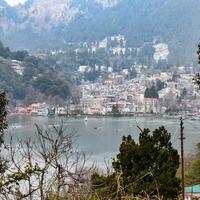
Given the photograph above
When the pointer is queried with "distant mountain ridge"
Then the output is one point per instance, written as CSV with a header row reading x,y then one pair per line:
x,y
50,24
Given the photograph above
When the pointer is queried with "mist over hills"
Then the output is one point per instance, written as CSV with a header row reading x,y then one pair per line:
x,y
51,24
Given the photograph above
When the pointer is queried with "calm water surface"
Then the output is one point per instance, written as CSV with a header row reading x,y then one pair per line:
x,y
100,138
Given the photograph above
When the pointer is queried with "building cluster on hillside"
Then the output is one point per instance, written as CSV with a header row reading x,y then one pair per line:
x,y
115,44
17,67
176,94
129,95
125,88
161,52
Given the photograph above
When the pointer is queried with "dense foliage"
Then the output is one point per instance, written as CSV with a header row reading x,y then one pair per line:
x,y
192,170
197,77
148,167
17,55
52,86
22,75
3,127
116,111
102,57
151,92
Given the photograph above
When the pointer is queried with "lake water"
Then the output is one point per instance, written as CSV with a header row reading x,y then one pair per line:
x,y
100,138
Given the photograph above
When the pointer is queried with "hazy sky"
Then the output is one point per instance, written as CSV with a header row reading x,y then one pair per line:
x,y
14,2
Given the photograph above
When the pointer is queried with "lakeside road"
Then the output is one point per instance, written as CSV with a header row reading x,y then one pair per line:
x,y
100,138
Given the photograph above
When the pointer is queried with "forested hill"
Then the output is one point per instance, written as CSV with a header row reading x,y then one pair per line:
x,y
175,22
29,79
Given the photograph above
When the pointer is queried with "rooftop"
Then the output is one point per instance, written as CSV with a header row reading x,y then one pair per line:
x,y
193,189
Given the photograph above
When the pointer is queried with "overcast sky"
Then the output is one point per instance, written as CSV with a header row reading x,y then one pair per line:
x,y
14,2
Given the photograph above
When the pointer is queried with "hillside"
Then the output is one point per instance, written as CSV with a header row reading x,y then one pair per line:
x,y
54,24
28,79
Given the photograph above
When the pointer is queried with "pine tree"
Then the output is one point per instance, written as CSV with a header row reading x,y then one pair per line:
x,y
197,77
148,167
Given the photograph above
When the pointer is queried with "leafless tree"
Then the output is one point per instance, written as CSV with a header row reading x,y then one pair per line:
x,y
48,167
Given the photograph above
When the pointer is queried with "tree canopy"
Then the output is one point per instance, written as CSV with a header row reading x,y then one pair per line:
x,y
149,166
151,92
193,168
3,112
3,127
197,77
35,73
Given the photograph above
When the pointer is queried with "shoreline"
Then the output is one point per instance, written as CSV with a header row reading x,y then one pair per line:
x,y
147,115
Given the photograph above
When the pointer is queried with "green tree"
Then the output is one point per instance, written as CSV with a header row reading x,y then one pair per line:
x,y
149,166
52,86
4,51
198,53
151,92
3,127
133,73
116,111
193,168
184,92
92,75
175,77
19,55
145,55
197,77
159,85
161,64
193,174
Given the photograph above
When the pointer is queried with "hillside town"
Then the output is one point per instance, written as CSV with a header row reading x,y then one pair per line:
x,y
174,94
120,89
129,96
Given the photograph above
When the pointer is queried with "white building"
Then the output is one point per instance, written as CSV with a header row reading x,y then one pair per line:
x,y
103,43
17,67
161,51
82,68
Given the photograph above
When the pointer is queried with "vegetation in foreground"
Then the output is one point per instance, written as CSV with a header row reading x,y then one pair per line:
x,y
147,168
51,168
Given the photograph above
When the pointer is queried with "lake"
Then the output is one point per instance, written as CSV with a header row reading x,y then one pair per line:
x,y
100,138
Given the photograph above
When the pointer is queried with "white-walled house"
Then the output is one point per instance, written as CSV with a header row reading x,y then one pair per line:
x,y
192,192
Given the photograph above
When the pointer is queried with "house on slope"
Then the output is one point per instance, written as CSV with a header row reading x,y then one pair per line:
x,y
192,192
